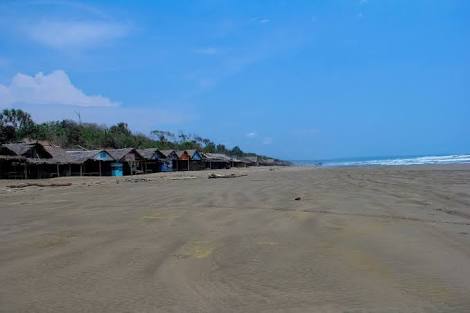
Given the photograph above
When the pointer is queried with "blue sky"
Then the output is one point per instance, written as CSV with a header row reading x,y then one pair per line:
x,y
293,79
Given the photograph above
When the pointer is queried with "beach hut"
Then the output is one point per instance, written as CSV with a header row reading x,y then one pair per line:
x,y
251,160
90,162
184,159
267,162
216,160
12,165
170,163
196,162
33,160
130,160
236,162
153,159
59,157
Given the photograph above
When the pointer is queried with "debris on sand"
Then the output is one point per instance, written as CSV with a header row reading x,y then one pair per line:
x,y
24,185
136,180
233,175
297,198
182,177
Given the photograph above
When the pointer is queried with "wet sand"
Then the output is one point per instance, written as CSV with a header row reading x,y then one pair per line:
x,y
359,240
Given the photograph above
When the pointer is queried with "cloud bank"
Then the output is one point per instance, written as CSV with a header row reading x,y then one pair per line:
x,y
54,97
55,88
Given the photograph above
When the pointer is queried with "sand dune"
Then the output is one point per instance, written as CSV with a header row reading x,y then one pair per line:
x,y
359,240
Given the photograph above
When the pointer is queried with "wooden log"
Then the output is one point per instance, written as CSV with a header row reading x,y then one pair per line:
x,y
39,185
233,175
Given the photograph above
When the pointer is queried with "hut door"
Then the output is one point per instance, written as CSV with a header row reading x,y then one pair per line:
x,y
133,167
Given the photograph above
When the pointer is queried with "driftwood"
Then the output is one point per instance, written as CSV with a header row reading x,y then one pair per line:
x,y
233,175
39,185
182,177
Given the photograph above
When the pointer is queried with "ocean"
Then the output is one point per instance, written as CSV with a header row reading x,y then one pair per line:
x,y
390,161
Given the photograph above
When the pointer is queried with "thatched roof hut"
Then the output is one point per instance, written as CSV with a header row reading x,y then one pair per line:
x,y
170,154
125,154
81,156
151,154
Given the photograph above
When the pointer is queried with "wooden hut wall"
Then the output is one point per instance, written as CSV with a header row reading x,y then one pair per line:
x,y
152,166
12,169
183,163
216,164
197,163
46,170
167,166
238,164
132,163
100,165
96,168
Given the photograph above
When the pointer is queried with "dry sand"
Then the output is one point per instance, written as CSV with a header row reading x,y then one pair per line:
x,y
359,240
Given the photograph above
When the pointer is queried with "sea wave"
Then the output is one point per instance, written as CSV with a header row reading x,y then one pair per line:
x,y
401,161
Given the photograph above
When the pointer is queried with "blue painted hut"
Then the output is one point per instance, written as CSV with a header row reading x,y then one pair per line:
x,y
196,162
91,162
170,163
132,161
153,159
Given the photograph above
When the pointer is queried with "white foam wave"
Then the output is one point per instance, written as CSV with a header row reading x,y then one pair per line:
x,y
436,160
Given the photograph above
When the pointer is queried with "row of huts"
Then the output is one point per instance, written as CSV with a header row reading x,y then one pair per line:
x,y
43,160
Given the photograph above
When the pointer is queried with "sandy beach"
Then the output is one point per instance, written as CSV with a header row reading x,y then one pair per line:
x,y
383,239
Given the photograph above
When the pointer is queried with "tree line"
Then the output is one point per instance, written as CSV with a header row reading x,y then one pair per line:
x,y
16,125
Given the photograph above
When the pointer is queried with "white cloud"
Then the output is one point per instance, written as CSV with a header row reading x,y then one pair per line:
x,y
207,51
267,141
55,88
251,135
74,34
54,97
261,20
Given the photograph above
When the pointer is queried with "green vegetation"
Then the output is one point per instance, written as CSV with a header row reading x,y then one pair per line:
x,y
16,125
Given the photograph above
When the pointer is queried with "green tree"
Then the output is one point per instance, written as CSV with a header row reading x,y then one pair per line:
x,y
236,151
19,120
221,148
7,134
